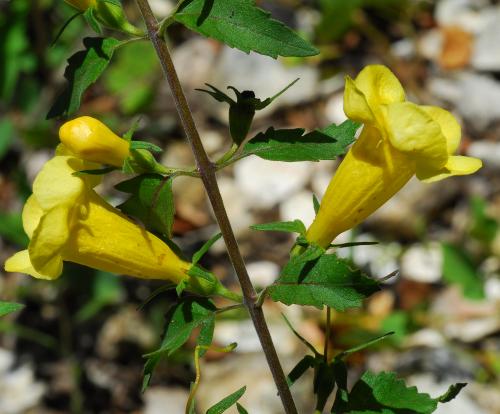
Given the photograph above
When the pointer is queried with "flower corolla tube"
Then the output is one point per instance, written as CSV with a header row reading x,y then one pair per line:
x,y
66,220
399,139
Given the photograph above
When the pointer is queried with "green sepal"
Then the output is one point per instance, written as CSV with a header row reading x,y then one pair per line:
x,y
110,14
145,145
204,249
91,19
142,161
311,253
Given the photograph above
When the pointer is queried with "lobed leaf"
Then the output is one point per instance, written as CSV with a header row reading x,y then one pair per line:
x,y
240,24
292,145
329,281
84,68
151,201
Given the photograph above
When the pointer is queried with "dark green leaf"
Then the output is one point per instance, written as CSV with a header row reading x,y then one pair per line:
x,y
353,244
227,402
91,19
99,171
83,69
458,268
292,145
241,409
11,228
151,201
9,307
329,281
148,370
205,248
300,369
182,319
452,392
295,226
363,346
384,391
324,383
240,24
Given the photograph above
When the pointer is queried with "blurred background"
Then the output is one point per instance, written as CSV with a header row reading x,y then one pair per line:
x,y
77,346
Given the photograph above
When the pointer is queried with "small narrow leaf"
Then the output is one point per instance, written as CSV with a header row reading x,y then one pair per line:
x,y
99,171
145,145
300,337
83,69
452,392
363,346
316,204
295,226
300,369
9,307
240,24
241,409
151,201
227,402
292,145
205,248
182,319
329,281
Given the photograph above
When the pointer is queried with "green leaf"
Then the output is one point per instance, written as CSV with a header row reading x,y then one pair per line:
x,y
385,393
292,145
9,307
241,409
11,228
483,226
98,171
360,347
84,68
205,248
64,26
312,252
452,392
300,369
458,268
240,24
295,226
227,402
182,319
329,281
91,19
151,201
316,204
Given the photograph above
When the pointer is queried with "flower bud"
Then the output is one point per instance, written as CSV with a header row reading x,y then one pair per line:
x,y
112,16
91,140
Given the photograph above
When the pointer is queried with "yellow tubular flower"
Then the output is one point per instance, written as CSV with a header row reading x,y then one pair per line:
x,y
66,220
399,139
91,140
81,4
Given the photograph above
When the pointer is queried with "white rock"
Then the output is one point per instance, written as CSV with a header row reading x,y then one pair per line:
x,y
425,337
462,404
473,329
162,8
19,392
422,263
470,92
298,206
334,109
263,273
266,183
194,61
404,48
159,400
237,205
492,288
486,55
264,76
487,151
466,14
430,44
321,178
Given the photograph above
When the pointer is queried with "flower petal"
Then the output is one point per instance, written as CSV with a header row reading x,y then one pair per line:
x,y
56,184
456,165
20,262
379,85
32,213
355,104
412,131
449,126
48,240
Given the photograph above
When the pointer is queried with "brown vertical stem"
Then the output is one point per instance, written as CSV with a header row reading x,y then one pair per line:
x,y
207,172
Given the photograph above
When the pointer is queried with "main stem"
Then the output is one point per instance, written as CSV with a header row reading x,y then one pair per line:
x,y
207,172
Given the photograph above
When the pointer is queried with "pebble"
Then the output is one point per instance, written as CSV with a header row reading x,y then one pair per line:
x,y
486,56
157,399
425,337
298,206
334,109
266,183
422,263
263,273
487,151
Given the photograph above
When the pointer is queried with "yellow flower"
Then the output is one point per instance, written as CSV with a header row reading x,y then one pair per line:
x,y
91,140
81,4
67,220
399,139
